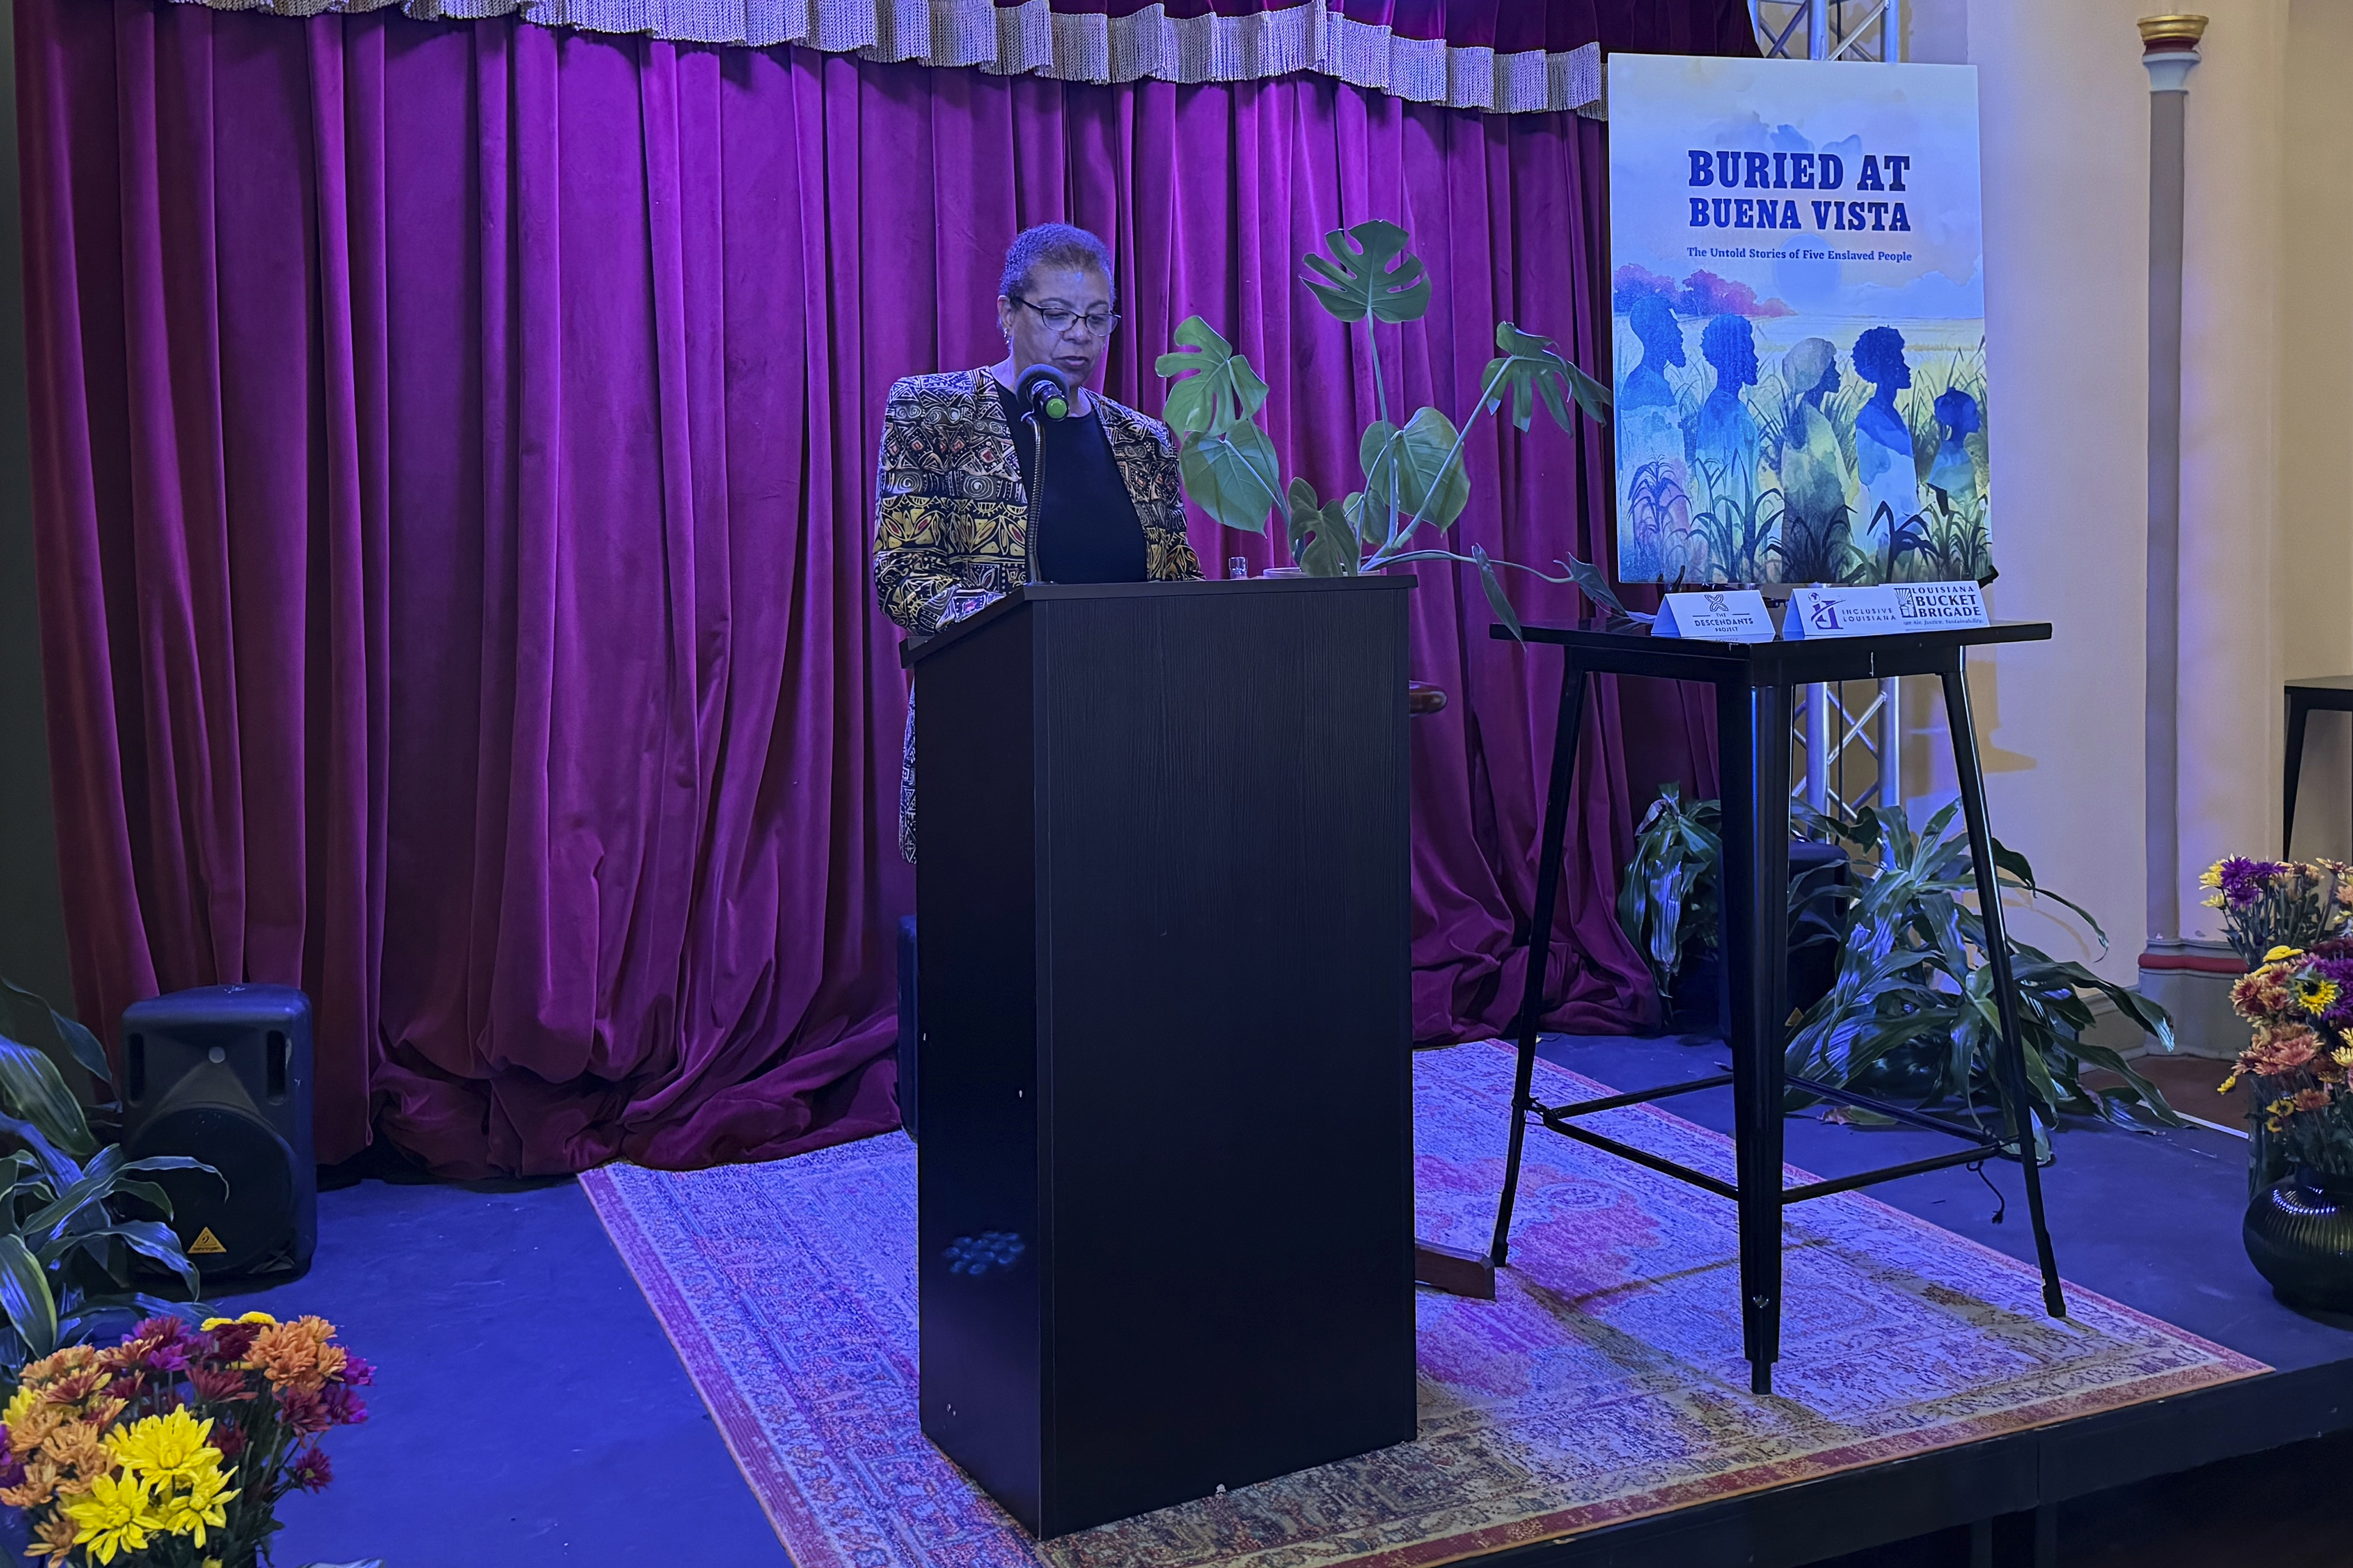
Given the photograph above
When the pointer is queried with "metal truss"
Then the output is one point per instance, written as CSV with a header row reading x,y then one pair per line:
x,y
1833,735
1828,29
1851,747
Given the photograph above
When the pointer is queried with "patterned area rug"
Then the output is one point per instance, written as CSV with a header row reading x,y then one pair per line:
x,y
1603,1384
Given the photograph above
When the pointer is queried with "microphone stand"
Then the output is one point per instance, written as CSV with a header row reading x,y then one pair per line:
x,y
1037,488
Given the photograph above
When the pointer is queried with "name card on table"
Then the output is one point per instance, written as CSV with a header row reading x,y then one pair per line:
x,y
1735,614
1877,611
1931,606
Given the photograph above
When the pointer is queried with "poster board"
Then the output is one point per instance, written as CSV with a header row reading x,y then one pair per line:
x,y
1797,315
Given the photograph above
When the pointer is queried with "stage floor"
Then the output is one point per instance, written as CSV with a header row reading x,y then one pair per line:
x,y
2149,1220
530,1414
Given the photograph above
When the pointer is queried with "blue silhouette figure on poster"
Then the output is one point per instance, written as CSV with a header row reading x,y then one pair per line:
x,y
1722,437
1815,483
1655,512
1883,442
1954,473
1662,337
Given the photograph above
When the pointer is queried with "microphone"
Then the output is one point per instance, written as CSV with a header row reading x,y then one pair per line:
x,y
1043,390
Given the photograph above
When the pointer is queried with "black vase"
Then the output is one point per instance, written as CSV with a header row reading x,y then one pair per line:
x,y
2299,1235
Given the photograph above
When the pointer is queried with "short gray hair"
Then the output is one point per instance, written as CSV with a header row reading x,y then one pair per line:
x,y
1057,245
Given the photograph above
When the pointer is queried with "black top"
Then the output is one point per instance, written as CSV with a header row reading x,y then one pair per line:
x,y
1087,529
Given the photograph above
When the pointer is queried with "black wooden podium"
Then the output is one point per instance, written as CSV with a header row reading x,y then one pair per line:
x,y
1166,1175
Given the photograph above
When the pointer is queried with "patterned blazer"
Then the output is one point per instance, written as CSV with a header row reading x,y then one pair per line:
x,y
950,511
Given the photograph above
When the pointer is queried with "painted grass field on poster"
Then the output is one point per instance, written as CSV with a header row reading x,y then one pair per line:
x,y
1797,300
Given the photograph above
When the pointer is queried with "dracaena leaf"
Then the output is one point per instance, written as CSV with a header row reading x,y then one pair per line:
x,y
1369,273
1233,475
1219,389
30,1086
24,1016
1531,367
25,1295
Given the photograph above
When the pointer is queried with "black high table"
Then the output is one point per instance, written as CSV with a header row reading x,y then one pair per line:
x,y
1753,682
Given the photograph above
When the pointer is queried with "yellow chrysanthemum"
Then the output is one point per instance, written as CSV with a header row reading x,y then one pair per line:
x,y
209,1324
206,1503
2229,1084
2281,955
2212,877
169,1450
115,1515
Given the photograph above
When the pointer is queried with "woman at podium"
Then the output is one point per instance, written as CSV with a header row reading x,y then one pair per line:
x,y
959,469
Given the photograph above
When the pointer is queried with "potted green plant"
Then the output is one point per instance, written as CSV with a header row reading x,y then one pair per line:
x,y
1912,985
1411,473
77,1212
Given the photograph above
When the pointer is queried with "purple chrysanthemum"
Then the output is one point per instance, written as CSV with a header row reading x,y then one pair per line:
x,y
2244,880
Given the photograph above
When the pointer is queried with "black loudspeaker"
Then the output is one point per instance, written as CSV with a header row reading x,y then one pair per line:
x,y
222,1074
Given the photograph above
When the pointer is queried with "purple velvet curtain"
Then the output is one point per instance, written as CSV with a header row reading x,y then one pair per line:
x,y
453,449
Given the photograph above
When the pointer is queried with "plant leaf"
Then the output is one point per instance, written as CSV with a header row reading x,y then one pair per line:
x,y
1302,513
25,1297
61,1168
1333,551
31,1087
1594,584
150,1239
1370,274
1496,598
1234,476
24,1016
1219,389
75,1325
1420,465
1530,367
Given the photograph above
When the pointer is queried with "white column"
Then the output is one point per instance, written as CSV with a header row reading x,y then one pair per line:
x,y
2169,51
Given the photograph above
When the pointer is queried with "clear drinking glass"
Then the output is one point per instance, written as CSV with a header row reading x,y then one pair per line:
x,y
1237,565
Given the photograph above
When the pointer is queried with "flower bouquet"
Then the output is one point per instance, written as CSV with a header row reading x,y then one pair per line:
x,y
172,1448
2271,908
2299,1224
2277,903
2300,1004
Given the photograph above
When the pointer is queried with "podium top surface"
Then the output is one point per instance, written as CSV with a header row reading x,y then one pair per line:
x,y
1634,651
915,650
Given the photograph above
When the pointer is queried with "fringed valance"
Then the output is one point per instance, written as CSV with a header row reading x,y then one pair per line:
x,y
1507,56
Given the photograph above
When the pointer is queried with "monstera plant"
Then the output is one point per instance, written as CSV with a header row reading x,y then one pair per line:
x,y
1411,473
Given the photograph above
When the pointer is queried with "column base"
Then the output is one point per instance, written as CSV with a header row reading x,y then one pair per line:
x,y
2192,980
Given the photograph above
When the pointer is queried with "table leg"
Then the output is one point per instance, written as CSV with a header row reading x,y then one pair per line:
x,y
2292,771
2010,1053
1752,729
1540,924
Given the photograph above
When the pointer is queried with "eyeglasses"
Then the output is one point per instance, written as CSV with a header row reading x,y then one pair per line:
x,y
1099,325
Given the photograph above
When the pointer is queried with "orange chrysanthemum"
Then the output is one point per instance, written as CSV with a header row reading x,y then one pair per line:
x,y
55,1534
2264,993
296,1355
38,1487
78,1449
2279,1048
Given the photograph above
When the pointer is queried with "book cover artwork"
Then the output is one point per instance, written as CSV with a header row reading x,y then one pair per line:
x,y
1797,310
